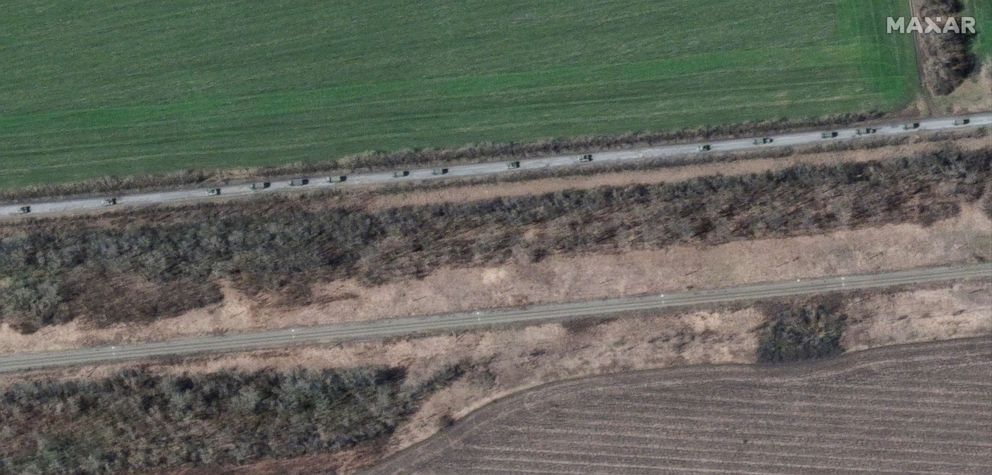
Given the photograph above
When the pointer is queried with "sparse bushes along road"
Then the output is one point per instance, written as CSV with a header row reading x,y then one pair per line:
x,y
54,273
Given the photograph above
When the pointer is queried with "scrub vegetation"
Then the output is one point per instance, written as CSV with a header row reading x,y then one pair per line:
x,y
54,273
154,88
137,420
802,332
949,56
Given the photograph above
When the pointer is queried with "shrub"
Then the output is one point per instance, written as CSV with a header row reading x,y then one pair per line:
x,y
806,332
57,273
136,420
948,57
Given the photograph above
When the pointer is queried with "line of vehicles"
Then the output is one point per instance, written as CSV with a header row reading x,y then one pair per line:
x,y
586,158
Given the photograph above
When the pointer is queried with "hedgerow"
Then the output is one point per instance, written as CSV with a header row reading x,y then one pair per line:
x,y
133,272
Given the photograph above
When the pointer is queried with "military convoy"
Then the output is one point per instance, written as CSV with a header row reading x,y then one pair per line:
x,y
585,158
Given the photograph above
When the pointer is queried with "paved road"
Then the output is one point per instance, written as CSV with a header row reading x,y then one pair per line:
x,y
464,321
482,169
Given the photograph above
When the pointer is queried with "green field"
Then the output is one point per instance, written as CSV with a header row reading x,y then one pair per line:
x,y
101,87
982,11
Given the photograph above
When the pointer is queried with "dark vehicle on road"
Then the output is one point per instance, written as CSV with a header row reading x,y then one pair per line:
x,y
914,125
24,210
962,122
763,141
704,148
828,135
109,201
401,174
213,192
299,182
513,165
585,158
867,130
260,185
440,171
337,179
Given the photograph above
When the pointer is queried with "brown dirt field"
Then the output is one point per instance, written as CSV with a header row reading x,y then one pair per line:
x,y
906,409
506,361
960,239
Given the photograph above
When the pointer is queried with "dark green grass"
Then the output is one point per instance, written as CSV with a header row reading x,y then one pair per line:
x,y
982,11
146,87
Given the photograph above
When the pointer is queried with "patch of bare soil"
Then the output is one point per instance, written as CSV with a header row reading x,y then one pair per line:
x,y
905,409
505,361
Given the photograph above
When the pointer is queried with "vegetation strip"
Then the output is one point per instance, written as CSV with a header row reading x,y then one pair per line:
x,y
137,420
55,274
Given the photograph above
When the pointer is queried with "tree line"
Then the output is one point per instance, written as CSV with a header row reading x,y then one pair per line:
x,y
134,272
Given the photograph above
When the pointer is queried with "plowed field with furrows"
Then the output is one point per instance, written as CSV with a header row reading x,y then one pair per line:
x,y
924,408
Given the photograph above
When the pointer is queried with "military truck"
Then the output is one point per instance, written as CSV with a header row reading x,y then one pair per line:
x,y
24,210
867,131
763,141
299,182
829,135
912,126
401,173
585,158
513,165
439,171
337,179
962,121
213,192
704,148
109,201
260,185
